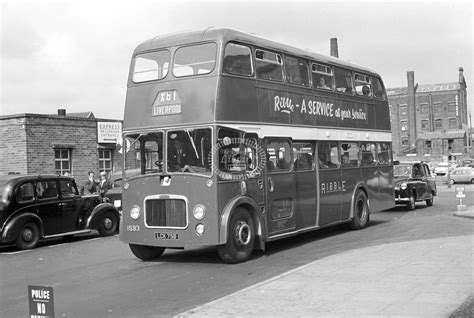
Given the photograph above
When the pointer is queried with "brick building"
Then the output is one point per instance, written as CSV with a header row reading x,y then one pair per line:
x,y
74,143
430,120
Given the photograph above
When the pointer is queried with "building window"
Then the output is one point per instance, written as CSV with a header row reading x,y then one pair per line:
x,y
403,110
105,160
425,124
450,143
404,125
405,143
62,161
428,144
452,107
425,109
438,124
452,123
438,108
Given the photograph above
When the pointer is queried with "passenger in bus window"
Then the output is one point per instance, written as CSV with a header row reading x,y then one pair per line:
x,y
270,164
323,161
322,83
345,160
366,90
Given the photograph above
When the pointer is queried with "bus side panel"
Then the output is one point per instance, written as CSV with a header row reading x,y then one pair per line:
x,y
306,196
237,100
386,188
149,105
350,177
330,203
369,176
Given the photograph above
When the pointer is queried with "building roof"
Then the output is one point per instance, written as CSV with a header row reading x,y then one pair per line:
x,y
428,88
450,134
82,115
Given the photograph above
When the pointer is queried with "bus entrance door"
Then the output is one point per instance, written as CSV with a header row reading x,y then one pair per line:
x,y
280,187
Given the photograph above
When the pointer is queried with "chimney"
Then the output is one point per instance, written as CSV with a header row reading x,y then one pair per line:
x,y
411,105
334,49
462,80
61,112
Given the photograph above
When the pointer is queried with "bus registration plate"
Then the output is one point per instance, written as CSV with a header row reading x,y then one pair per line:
x,y
166,236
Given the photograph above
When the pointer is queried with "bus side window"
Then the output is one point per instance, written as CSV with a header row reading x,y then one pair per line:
x,y
322,76
343,81
238,60
384,153
368,154
379,91
303,156
269,65
296,71
362,85
279,155
349,154
328,155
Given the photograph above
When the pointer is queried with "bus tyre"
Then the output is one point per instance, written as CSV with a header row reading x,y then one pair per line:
x,y
411,204
146,253
361,212
109,224
28,236
240,238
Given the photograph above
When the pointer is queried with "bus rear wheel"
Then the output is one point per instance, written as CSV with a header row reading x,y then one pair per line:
x,y
145,252
240,238
361,212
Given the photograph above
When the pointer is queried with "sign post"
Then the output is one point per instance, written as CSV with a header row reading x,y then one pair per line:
x,y
41,301
460,195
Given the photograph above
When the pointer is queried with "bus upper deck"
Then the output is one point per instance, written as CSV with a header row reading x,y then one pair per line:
x,y
200,77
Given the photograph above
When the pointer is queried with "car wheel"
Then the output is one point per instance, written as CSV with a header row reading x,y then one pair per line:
x,y
429,202
109,224
240,238
411,202
28,236
145,252
361,212
472,180
452,181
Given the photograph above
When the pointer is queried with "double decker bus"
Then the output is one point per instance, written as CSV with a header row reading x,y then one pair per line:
x,y
236,140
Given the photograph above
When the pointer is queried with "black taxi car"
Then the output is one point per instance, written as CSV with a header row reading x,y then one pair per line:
x,y
413,183
36,207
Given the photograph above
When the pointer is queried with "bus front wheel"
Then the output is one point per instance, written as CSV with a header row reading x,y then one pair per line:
x,y
146,253
361,212
240,238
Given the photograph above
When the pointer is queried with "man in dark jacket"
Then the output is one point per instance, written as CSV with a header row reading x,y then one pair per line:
x,y
89,186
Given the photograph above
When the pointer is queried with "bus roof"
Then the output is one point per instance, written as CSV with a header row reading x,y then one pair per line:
x,y
226,34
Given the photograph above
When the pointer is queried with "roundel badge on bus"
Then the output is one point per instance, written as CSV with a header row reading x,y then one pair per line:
x,y
166,103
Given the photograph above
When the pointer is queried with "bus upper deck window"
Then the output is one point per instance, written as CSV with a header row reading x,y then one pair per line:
x,y
194,60
343,81
379,91
269,65
296,71
151,66
362,85
238,60
322,76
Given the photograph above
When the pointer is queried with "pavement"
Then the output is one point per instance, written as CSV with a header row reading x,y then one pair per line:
x,y
425,278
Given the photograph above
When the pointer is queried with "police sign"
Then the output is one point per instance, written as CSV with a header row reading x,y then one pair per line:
x,y
41,302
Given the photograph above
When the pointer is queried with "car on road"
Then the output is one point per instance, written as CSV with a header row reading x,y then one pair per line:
x,y
462,174
37,207
442,169
413,183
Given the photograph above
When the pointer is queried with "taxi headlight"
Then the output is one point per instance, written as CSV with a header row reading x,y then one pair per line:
x,y
135,212
403,186
199,211
200,229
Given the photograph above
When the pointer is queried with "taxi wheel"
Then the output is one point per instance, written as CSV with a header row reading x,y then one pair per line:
x,y
361,212
411,205
109,224
146,253
472,180
429,202
240,238
28,236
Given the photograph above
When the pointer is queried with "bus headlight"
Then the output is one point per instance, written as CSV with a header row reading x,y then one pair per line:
x,y
403,186
200,229
135,212
199,211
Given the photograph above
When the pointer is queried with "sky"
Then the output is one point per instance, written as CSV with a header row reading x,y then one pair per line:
x,y
76,54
